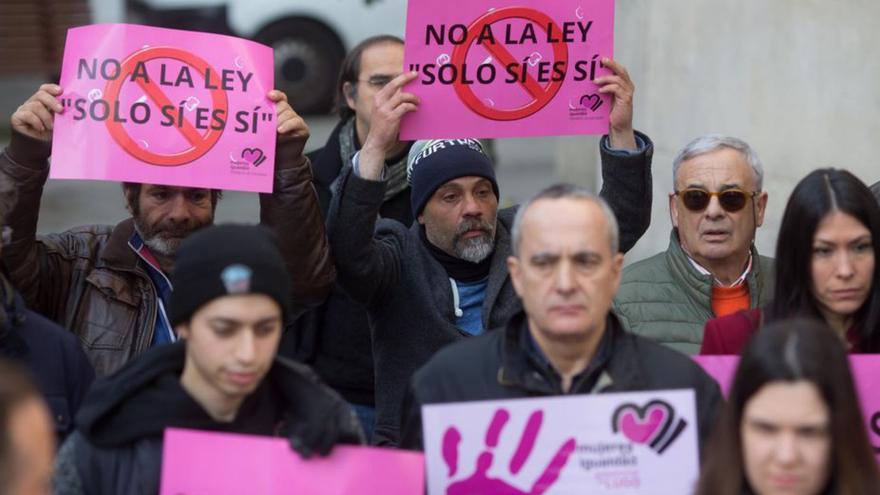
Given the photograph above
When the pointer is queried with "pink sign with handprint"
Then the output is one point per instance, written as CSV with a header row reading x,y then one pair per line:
x,y
634,443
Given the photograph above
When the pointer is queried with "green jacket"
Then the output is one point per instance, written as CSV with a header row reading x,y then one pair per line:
x,y
665,299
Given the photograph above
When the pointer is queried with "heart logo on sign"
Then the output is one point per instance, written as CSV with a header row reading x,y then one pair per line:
x,y
253,156
643,425
653,424
591,101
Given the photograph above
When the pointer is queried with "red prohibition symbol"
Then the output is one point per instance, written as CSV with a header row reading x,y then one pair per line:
x,y
541,95
199,143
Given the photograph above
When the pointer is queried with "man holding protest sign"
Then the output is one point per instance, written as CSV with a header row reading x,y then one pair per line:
x,y
233,296
566,267
446,275
109,285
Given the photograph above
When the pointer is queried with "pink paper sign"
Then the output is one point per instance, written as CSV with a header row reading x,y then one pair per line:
x,y
198,462
507,69
162,106
638,443
866,373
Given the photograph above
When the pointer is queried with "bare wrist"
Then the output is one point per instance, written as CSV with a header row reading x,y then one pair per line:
x,y
623,139
371,161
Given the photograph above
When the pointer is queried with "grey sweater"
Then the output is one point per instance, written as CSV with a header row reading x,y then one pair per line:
x,y
385,266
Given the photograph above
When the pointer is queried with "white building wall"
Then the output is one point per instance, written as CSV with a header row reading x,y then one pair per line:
x,y
797,79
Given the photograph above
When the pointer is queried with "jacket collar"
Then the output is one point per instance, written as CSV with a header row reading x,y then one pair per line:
x,y
118,254
438,279
520,369
498,270
698,286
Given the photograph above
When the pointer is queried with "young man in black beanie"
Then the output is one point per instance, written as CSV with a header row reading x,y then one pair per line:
x,y
231,299
445,278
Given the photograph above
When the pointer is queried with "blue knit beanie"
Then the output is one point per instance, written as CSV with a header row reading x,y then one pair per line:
x,y
432,163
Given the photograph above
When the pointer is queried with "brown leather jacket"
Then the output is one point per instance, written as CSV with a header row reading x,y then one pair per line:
x,y
89,280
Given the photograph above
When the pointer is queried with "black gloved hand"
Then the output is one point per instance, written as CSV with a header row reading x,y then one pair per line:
x,y
319,435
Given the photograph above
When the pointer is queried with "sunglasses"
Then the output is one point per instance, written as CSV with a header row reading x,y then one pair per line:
x,y
731,200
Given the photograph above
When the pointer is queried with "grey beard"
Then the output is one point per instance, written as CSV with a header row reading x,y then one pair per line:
x,y
164,247
475,249
157,245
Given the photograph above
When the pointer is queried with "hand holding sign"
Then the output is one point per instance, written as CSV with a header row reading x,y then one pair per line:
x,y
621,87
35,117
291,127
390,104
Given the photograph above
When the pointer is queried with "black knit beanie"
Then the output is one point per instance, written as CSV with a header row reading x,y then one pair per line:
x,y
227,260
435,162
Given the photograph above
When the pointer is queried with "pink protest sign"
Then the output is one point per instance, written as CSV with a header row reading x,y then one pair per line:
x,y
865,369
639,443
162,106
198,462
504,69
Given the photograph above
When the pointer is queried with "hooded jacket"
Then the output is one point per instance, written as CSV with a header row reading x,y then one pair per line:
x,y
117,445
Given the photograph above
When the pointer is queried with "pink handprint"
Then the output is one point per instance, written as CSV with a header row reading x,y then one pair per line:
x,y
479,483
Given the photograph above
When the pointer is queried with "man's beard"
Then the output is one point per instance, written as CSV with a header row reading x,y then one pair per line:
x,y
474,249
164,239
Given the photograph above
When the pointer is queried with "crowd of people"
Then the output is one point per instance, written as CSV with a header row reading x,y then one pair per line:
x,y
384,276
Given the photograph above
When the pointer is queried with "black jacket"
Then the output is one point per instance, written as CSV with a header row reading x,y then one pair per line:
x,y
387,267
334,338
117,445
501,365
51,354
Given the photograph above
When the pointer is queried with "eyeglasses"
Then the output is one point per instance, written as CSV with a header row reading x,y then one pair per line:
x,y
378,81
732,200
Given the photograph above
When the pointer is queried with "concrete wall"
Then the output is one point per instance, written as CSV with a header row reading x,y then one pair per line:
x,y
797,79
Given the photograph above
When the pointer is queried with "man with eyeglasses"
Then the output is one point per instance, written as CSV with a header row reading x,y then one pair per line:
x,y
711,267
335,338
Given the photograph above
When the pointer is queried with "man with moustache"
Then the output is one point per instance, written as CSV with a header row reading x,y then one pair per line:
x,y
445,278
711,267
109,285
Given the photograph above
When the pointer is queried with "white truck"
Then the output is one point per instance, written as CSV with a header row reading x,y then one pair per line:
x,y
310,37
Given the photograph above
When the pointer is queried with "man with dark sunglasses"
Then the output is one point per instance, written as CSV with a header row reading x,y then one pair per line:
x,y
711,267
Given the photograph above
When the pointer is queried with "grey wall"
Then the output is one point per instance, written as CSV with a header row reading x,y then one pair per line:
x,y
797,79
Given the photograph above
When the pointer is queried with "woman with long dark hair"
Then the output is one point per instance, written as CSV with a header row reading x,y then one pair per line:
x,y
792,422
826,266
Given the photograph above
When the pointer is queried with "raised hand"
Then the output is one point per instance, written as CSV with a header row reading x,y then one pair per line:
x,y
621,87
36,116
291,127
479,483
390,104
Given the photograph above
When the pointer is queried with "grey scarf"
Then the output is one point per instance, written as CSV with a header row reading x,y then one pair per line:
x,y
395,173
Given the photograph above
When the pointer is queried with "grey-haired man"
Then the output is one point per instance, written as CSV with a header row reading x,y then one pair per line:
x,y
711,267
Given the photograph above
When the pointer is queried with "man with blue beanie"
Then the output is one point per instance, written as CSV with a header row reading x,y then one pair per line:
x,y
445,277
